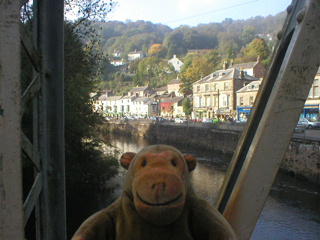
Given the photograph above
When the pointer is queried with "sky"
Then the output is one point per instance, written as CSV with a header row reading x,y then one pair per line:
x,y
174,13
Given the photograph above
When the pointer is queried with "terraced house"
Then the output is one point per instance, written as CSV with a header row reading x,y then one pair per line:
x,y
215,94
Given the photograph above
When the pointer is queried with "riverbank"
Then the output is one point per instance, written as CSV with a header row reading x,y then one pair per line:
x,y
302,158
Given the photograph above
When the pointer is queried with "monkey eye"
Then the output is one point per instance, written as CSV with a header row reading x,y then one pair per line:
x,y
144,163
173,162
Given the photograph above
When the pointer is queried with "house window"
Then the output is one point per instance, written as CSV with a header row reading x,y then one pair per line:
x,y
215,87
207,87
226,86
224,101
216,101
251,100
315,88
197,102
207,101
198,88
249,87
241,101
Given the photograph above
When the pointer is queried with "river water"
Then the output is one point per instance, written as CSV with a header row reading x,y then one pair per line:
x,y
292,210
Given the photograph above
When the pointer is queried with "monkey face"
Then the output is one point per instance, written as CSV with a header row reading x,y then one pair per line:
x,y
158,187
158,182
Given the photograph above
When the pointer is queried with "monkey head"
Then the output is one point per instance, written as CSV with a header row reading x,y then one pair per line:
x,y
157,181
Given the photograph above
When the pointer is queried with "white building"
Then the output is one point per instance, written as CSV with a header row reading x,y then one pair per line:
x,y
135,55
118,106
118,62
176,62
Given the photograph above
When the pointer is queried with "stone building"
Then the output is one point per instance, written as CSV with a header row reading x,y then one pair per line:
x,y
174,86
245,99
215,94
255,69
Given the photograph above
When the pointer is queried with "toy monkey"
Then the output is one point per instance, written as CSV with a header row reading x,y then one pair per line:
x,y
158,202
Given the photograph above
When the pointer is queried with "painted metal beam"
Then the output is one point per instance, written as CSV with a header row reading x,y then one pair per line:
x,y
51,141
268,132
11,214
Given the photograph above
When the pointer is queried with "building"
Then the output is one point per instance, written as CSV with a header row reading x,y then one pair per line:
x,y
311,107
161,90
144,107
176,62
255,69
118,62
107,105
143,91
116,54
246,97
174,86
215,94
171,107
135,55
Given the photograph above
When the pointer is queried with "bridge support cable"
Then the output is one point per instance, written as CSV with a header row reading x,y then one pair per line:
x,y
276,111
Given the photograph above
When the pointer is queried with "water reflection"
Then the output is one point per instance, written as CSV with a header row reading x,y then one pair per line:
x,y
292,211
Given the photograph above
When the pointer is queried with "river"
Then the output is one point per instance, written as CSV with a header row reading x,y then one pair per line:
x,y
292,210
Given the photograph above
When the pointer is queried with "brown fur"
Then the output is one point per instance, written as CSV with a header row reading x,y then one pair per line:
x,y
157,202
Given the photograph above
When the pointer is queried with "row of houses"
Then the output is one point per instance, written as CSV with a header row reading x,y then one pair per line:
x,y
229,93
142,101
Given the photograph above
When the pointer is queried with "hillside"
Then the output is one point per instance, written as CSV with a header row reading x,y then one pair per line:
x,y
140,35
239,41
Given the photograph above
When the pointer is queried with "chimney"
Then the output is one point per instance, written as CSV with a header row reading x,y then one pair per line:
x,y
242,73
231,63
174,56
258,59
225,65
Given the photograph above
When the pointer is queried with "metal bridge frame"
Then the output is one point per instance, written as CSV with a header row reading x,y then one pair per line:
x,y
46,93
252,168
273,118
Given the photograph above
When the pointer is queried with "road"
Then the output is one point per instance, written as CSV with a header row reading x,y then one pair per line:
x,y
311,134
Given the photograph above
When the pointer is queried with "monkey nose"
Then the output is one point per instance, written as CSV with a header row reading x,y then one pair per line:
x,y
161,186
159,190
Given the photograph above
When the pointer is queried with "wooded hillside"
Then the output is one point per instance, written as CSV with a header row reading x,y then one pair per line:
x,y
240,41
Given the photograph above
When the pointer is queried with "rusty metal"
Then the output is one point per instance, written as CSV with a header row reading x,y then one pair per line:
x,y
267,134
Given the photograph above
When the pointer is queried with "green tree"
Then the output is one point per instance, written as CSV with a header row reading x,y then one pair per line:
x,y
248,35
84,156
255,48
187,106
199,68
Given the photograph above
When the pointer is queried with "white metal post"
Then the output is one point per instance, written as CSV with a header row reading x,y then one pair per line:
x,y
11,214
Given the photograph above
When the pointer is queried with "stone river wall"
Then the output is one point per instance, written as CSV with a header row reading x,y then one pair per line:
x,y
302,158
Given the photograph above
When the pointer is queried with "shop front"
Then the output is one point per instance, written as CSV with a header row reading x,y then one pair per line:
x,y
310,111
243,113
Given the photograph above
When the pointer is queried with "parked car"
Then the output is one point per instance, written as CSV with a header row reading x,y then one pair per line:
x,y
180,120
309,123
299,127
207,120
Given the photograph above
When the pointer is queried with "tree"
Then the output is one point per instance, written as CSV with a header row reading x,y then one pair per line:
x,y
255,48
156,50
199,68
248,35
187,106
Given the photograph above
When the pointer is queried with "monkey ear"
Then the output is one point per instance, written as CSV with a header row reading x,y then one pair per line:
x,y
126,159
191,161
